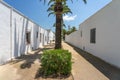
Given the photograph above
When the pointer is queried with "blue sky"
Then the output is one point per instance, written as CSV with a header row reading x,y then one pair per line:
x,y
37,11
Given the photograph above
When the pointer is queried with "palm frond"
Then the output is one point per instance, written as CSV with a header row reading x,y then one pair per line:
x,y
51,8
44,1
51,13
51,2
85,1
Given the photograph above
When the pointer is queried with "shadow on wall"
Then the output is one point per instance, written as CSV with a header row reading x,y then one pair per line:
x,y
112,72
30,58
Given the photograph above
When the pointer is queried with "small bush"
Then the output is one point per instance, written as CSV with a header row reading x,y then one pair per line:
x,y
56,62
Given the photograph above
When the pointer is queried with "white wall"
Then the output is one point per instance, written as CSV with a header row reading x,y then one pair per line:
x,y
51,36
18,34
73,38
35,37
4,30
45,37
14,26
107,24
42,38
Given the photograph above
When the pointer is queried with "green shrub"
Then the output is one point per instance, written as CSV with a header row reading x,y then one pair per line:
x,y
56,62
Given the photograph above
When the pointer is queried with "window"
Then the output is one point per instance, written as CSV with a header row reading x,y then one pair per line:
x,y
37,35
28,37
40,37
93,35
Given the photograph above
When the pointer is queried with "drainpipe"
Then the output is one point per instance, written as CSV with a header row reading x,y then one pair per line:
x,y
11,34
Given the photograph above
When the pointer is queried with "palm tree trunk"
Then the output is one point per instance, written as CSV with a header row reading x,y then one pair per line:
x,y
58,9
58,31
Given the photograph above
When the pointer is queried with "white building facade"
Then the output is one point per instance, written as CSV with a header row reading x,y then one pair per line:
x,y
100,35
18,34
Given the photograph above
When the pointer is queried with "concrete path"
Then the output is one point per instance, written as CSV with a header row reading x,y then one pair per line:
x,y
26,67
23,68
82,69
8,72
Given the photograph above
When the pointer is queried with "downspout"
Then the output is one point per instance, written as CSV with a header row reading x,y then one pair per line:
x,y
11,34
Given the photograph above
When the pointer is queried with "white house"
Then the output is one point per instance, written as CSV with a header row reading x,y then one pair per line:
x,y
100,34
18,34
51,36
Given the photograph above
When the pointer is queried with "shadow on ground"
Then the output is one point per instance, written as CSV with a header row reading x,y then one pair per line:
x,y
28,59
40,74
112,72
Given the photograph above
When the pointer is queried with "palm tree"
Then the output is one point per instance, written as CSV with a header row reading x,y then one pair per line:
x,y
58,6
73,29
65,11
59,21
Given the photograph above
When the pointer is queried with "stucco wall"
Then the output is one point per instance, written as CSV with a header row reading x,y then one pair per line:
x,y
4,30
74,38
107,24
18,34
14,27
51,36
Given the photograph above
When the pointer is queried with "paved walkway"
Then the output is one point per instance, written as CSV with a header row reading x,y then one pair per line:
x,y
26,67
112,72
82,69
23,68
